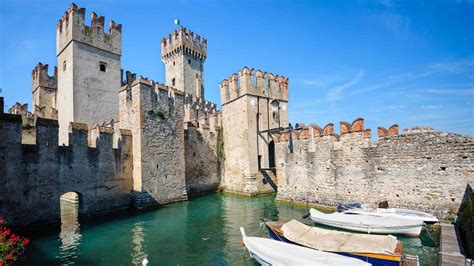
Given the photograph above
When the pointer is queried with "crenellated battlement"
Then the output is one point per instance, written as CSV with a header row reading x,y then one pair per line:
x,y
258,83
347,131
150,84
41,78
198,102
72,27
383,132
183,41
199,112
103,171
318,166
45,133
417,129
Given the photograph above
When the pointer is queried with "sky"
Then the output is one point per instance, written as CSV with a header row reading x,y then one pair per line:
x,y
409,63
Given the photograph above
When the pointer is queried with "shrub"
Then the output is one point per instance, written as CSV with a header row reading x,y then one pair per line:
x,y
158,113
12,246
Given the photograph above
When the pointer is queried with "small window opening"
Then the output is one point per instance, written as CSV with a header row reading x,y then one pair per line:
x,y
64,65
189,61
173,82
103,66
174,63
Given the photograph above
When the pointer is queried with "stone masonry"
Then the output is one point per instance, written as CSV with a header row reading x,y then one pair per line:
x,y
34,176
203,135
183,54
252,101
419,169
88,69
128,141
154,114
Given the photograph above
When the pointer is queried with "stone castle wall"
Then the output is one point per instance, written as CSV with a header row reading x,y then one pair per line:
x,y
203,169
421,170
203,136
33,177
154,113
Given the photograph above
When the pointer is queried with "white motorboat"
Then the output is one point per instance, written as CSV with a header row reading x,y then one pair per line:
x,y
271,252
368,223
396,213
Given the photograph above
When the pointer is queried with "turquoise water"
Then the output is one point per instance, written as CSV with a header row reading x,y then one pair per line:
x,y
202,231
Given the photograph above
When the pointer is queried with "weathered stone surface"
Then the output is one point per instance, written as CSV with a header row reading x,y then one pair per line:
x,y
154,114
44,88
86,92
426,171
33,177
184,57
203,169
247,110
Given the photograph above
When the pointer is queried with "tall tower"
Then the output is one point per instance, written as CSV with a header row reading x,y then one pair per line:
x,y
183,55
253,105
44,88
88,70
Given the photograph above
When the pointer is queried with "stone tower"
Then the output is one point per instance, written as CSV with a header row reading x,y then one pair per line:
x,y
250,110
44,88
183,55
88,69
154,114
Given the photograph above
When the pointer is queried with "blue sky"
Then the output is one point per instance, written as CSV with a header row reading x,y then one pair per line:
x,y
404,62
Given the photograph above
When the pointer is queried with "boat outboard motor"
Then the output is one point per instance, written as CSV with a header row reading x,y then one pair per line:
x,y
347,206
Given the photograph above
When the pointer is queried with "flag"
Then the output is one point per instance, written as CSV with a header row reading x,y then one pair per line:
x,y
176,21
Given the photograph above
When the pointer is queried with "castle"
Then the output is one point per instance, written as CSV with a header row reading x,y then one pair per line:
x,y
121,140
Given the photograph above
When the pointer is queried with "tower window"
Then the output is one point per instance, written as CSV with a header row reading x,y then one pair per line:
x,y
174,63
103,66
189,61
64,65
173,82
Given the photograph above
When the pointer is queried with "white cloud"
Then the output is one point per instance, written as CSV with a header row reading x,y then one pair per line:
x,y
461,66
336,93
431,106
452,92
388,4
457,67
314,82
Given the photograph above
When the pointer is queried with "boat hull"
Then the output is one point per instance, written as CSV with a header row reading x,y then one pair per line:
x,y
270,252
411,232
374,259
396,213
368,223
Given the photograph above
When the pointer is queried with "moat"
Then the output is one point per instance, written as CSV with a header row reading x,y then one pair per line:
x,y
201,231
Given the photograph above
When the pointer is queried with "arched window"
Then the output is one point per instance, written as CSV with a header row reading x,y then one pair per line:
x,y
103,66
173,82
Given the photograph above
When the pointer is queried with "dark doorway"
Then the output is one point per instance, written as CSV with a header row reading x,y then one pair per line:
x,y
271,154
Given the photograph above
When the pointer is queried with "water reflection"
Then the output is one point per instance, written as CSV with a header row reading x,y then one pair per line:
x,y
70,236
138,243
202,231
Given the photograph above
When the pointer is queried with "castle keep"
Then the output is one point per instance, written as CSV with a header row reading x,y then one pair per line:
x,y
120,140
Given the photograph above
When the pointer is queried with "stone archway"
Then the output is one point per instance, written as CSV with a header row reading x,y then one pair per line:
x,y
271,154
